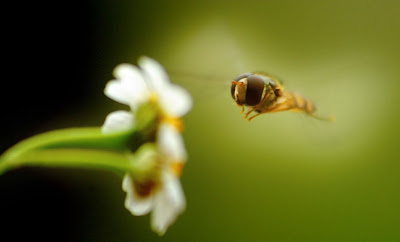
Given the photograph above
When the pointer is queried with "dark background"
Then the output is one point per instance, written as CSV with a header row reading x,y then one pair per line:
x,y
47,58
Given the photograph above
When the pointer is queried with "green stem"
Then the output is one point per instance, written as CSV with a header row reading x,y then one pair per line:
x,y
72,158
74,147
71,138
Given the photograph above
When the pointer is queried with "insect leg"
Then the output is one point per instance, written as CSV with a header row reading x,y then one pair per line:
x,y
274,109
258,105
249,119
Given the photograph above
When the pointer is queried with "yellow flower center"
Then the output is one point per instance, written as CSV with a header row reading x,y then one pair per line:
x,y
153,97
177,168
176,122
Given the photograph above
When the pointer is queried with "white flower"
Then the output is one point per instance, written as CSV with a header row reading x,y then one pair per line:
x,y
134,86
165,197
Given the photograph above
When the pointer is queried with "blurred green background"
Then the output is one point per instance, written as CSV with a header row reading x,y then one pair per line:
x,y
281,177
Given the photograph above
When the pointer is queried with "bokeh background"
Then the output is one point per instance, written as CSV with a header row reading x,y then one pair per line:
x,y
281,177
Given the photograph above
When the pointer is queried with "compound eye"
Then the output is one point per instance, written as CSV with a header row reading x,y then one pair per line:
x,y
233,87
255,88
240,77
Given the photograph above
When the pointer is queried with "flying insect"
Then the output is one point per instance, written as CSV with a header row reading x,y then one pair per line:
x,y
264,94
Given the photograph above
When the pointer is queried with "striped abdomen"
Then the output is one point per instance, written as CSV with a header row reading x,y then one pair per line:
x,y
302,104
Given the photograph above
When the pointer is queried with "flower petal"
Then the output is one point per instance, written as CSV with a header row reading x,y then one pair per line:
x,y
169,204
115,90
170,143
155,73
118,121
129,88
136,205
176,101
129,72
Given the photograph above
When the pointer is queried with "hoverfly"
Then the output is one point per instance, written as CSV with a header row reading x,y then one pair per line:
x,y
265,94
